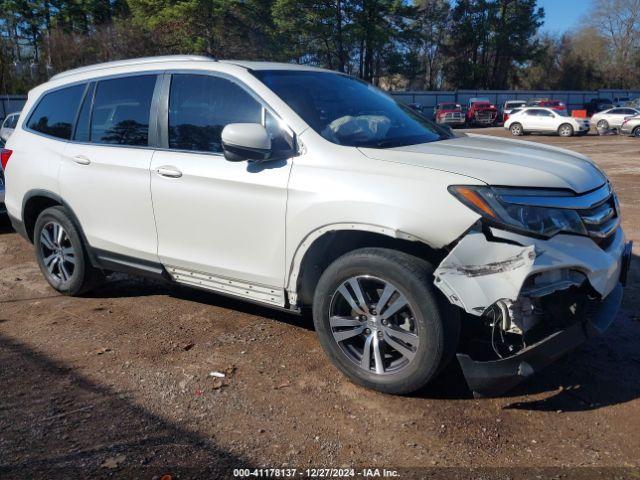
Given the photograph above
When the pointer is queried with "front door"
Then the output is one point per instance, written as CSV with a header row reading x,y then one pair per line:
x,y
546,121
220,224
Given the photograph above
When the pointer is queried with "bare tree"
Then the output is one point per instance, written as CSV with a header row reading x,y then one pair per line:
x,y
618,21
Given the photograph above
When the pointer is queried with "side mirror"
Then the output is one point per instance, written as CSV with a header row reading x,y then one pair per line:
x,y
246,141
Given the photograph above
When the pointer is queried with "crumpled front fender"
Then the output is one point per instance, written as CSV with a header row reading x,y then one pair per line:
x,y
480,271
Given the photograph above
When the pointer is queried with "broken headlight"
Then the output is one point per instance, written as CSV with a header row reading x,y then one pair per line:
x,y
540,221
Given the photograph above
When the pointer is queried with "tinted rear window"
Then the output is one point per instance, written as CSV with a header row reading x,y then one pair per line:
x,y
56,112
121,110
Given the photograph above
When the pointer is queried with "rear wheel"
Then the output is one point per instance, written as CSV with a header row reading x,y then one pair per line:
x,y
380,321
565,130
516,129
636,132
61,255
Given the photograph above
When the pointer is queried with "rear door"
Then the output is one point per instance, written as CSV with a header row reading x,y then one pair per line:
x,y
104,175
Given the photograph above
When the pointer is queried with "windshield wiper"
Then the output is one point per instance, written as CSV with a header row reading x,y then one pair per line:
x,y
386,143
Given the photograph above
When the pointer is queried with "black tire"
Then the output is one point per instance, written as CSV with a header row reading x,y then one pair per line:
x,y
516,129
603,124
636,132
435,321
83,276
565,130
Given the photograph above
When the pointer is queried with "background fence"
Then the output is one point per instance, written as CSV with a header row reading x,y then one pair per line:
x,y
429,99
573,99
10,104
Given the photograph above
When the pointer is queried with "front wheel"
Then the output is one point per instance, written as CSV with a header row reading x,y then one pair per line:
x,y
380,321
636,132
61,255
565,130
603,125
516,130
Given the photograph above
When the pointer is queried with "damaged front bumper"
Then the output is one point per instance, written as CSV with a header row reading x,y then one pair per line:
x,y
510,262
495,377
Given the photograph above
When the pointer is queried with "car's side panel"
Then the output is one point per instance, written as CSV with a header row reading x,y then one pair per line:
x,y
35,162
111,197
341,189
549,122
222,218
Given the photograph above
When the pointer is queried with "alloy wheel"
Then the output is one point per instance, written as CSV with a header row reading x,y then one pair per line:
x,y
374,325
58,254
516,130
565,131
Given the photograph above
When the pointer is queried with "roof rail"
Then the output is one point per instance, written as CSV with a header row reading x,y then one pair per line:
x,y
133,62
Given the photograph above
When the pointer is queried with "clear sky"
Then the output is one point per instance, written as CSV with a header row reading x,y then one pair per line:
x,y
561,15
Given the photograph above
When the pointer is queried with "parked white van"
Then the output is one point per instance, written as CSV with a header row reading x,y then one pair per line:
x,y
298,187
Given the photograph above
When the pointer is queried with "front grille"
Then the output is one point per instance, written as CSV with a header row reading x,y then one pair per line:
x,y
486,116
453,116
601,220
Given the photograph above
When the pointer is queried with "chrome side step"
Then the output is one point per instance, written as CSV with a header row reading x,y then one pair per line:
x,y
260,293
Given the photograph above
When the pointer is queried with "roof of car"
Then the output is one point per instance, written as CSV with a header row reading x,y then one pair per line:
x,y
252,65
536,107
182,58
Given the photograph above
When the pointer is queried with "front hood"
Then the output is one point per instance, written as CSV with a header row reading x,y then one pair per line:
x,y
500,162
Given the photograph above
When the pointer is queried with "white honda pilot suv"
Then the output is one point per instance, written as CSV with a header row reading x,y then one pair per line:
x,y
298,187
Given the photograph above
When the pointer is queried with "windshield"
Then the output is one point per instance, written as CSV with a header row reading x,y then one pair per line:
x,y
449,106
349,112
516,104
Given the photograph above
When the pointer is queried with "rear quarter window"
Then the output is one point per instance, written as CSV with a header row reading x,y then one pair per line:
x,y
56,111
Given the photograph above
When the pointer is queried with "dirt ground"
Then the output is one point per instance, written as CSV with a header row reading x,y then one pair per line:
x,y
117,385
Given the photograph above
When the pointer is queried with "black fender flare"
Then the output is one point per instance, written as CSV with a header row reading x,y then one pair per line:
x,y
74,218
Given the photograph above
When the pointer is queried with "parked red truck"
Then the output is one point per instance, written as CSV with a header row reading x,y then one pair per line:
x,y
449,113
482,112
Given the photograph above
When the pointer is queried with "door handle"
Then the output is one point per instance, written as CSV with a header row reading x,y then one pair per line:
x,y
171,172
81,160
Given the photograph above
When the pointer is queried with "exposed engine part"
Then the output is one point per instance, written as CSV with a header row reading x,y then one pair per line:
x,y
542,284
516,325
506,317
503,341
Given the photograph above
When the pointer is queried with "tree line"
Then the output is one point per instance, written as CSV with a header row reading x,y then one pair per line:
x,y
397,44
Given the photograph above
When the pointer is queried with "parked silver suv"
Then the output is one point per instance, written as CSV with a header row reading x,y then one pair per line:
x,y
631,126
